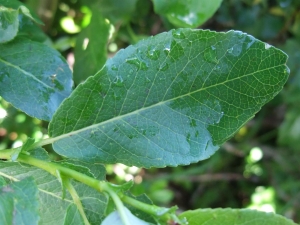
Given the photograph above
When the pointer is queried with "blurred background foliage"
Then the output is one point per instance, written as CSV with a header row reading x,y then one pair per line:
x,y
258,168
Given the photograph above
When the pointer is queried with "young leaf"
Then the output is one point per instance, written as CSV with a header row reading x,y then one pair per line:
x,y
233,216
19,203
170,99
9,19
33,77
14,4
90,49
9,24
52,207
183,13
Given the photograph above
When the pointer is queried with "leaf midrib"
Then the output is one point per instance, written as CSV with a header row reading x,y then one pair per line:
x,y
30,75
54,139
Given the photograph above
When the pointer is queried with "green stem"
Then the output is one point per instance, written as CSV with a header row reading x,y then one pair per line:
x,y
119,205
149,209
6,154
52,167
76,199
100,186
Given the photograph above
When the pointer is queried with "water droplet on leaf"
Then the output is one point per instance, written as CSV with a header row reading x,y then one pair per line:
x,y
140,64
153,53
114,67
267,46
118,81
210,55
163,67
178,34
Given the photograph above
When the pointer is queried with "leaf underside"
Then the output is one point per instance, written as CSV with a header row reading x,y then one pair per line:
x,y
170,99
52,208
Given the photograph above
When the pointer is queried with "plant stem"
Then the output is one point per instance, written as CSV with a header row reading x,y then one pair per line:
x,y
101,186
119,205
6,154
76,199
52,167
149,209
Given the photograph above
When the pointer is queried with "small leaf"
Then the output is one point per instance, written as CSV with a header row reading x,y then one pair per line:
x,y
90,49
39,153
33,77
9,24
14,4
78,168
184,13
115,219
19,203
29,142
174,99
233,216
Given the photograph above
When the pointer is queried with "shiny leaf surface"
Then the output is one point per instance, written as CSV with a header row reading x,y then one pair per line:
x,y
170,99
33,77
233,216
182,13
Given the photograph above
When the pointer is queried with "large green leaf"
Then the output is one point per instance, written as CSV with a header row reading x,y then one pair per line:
x,y
186,13
19,203
54,209
170,99
233,216
33,77
90,50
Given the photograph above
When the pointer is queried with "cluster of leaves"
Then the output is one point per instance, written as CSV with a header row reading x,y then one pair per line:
x,y
169,100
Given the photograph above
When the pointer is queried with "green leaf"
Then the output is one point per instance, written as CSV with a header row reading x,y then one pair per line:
x,y
73,216
233,216
33,77
9,24
52,207
111,9
170,99
19,203
39,153
90,50
182,13
9,19
14,4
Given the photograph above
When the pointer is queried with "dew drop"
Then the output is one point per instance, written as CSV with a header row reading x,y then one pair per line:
x,y
188,138
193,123
230,50
153,53
178,34
118,81
210,55
167,48
163,67
114,67
267,46
140,64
